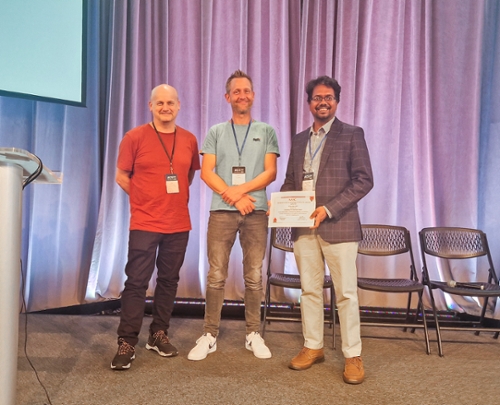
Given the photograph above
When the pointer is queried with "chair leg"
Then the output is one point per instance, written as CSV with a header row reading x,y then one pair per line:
x,y
420,306
483,312
438,331
333,316
334,321
267,302
408,306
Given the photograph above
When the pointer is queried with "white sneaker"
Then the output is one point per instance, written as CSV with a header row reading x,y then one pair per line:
x,y
204,345
255,343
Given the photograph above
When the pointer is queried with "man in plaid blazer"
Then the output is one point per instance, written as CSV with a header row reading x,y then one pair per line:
x,y
332,159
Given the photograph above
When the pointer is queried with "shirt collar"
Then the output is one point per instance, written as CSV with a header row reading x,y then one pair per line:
x,y
324,129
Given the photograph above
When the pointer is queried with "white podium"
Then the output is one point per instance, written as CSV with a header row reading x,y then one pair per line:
x,y
16,167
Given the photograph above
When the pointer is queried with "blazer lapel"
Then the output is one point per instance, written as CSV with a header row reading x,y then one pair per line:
x,y
300,153
334,132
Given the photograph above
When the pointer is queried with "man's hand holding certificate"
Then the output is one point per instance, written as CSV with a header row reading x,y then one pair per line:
x,y
292,209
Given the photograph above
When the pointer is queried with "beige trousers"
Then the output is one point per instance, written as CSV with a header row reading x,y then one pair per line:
x,y
311,252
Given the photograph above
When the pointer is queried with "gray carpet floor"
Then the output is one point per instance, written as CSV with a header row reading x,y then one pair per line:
x,y
72,355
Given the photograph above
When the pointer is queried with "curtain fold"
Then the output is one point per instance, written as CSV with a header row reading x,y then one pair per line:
x,y
489,150
421,77
263,36
59,221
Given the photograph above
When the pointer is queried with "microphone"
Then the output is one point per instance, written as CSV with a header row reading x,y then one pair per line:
x,y
457,284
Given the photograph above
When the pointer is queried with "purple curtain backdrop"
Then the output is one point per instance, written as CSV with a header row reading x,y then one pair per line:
x,y
414,75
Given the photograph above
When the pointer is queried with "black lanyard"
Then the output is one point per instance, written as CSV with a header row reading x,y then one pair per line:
x,y
244,140
171,159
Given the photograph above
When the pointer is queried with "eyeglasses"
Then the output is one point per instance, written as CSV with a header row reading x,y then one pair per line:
x,y
318,99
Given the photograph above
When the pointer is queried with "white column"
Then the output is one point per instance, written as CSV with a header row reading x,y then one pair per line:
x,y
10,256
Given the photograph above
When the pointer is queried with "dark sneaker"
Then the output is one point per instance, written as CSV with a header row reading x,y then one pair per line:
x,y
160,343
124,356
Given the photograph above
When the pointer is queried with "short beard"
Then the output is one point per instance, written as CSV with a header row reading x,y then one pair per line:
x,y
239,110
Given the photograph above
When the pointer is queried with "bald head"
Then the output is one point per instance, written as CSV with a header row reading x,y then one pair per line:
x,y
163,89
164,105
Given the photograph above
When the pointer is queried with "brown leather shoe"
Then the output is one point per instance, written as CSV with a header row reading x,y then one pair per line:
x,y
306,358
354,372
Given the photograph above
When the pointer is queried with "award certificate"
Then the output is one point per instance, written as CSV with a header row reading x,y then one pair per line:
x,y
292,209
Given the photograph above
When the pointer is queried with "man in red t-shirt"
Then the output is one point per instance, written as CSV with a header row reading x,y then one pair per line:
x,y
156,164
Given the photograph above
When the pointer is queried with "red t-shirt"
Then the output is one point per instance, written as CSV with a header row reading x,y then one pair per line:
x,y
141,153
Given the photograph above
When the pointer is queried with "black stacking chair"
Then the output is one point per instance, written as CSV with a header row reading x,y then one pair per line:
x,y
382,241
281,238
449,244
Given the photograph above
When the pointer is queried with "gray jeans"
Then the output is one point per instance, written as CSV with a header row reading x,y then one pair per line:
x,y
222,229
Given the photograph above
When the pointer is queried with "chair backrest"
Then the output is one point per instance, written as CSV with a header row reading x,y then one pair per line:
x,y
387,240
384,240
455,243
281,238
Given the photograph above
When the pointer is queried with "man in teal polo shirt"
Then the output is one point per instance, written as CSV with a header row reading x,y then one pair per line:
x,y
239,161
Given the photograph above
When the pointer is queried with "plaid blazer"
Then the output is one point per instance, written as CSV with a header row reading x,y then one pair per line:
x,y
344,177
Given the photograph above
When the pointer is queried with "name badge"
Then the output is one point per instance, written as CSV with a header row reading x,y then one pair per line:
x,y
308,182
238,175
172,183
